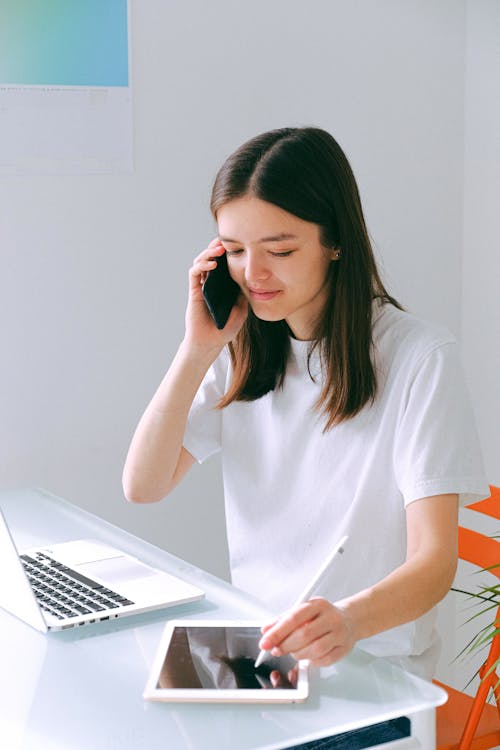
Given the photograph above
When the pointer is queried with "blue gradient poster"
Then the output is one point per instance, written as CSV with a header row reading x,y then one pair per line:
x,y
64,42
65,95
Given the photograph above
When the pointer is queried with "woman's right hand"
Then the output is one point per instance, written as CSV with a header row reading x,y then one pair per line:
x,y
201,330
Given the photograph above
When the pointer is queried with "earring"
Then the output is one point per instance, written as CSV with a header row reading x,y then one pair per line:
x,y
336,254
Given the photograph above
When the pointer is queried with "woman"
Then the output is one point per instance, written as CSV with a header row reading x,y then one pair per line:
x,y
336,413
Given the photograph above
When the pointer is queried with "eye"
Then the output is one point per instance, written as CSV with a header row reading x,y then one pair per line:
x,y
234,252
282,254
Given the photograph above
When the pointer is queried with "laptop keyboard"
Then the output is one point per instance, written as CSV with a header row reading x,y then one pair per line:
x,y
63,592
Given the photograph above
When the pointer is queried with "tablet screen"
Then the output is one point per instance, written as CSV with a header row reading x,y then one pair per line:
x,y
196,661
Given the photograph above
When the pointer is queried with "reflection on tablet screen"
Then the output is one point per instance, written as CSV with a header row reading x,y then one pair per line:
x,y
223,658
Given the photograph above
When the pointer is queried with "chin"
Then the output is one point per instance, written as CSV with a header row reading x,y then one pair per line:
x,y
268,316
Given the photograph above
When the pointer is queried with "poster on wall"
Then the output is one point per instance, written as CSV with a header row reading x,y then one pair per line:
x,y
65,95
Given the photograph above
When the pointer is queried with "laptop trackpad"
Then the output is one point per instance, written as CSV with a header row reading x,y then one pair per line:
x,y
116,570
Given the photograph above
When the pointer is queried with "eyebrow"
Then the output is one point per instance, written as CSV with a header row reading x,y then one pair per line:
x,y
273,238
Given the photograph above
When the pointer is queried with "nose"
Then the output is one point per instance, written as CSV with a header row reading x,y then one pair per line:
x,y
255,268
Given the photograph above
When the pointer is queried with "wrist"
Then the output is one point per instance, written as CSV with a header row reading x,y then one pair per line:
x,y
200,356
352,618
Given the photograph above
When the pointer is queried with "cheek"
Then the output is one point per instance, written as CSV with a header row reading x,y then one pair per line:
x,y
323,271
237,272
234,272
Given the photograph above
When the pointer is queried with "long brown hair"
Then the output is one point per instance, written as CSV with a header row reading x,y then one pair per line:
x,y
305,172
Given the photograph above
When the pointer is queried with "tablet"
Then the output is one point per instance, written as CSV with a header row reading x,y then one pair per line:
x,y
211,661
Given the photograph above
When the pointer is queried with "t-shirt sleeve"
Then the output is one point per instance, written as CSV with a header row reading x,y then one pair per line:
x,y
202,437
436,446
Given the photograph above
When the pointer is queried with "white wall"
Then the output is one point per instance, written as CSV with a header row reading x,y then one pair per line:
x,y
94,268
481,262
480,295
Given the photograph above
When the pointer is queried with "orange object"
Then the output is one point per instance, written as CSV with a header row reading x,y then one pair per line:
x,y
490,506
481,729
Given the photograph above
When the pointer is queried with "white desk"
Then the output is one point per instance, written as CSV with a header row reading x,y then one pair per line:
x,y
81,689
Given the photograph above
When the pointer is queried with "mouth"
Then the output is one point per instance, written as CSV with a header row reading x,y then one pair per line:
x,y
262,295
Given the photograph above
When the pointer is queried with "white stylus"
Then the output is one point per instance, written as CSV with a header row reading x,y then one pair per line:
x,y
313,583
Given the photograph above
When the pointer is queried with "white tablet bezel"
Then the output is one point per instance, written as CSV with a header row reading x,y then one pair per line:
x,y
208,695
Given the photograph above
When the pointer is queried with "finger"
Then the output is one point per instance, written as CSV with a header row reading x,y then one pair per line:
x,y
279,680
287,624
267,626
198,274
275,678
202,266
307,636
276,632
315,650
293,676
214,249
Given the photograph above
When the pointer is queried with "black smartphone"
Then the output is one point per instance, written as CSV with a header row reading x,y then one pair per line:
x,y
220,292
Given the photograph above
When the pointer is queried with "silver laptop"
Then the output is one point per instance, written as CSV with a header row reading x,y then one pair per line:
x,y
80,582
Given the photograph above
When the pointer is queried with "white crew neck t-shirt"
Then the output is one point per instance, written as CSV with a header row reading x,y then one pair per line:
x,y
292,491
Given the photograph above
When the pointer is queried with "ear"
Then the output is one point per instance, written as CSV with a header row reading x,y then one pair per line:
x,y
335,254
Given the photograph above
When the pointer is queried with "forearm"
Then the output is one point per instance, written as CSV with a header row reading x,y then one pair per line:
x,y
404,595
421,581
324,632
152,460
